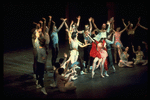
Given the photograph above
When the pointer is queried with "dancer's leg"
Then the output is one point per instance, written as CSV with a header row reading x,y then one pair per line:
x,y
115,54
102,67
93,67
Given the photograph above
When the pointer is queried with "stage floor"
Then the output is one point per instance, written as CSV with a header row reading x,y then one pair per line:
x,y
19,82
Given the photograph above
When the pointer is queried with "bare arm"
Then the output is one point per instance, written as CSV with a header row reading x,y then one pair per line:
x,y
41,24
143,27
94,23
90,19
133,49
49,23
44,26
61,24
137,24
66,25
125,24
78,22
71,25
69,35
124,28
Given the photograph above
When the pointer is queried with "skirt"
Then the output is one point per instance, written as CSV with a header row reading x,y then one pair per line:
x,y
93,52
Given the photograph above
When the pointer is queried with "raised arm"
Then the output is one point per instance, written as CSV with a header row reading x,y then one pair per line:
x,y
61,24
137,23
69,35
49,22
110,42
90,19
78,22
108,29
66,25
44,26
133,49
142,26
71,25
125,24
94,23
124,28
41,24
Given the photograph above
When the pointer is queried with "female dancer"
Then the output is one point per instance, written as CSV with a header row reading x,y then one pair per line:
x,y
62,83
139,56
103,32
118,43
87,40
74,42
55,46
131,32
71,34
100,55
124,59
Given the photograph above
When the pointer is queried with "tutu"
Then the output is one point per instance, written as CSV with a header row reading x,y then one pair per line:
x,y
93,52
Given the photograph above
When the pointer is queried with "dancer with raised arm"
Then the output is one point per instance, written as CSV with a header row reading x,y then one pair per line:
x,y
55,39
118,44
74,43
131,32
139,56
124,59
87,40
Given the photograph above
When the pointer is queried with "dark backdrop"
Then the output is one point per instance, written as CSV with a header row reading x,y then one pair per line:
x,y
18,18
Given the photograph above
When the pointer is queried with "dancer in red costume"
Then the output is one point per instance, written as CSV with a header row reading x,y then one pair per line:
x,y
99,54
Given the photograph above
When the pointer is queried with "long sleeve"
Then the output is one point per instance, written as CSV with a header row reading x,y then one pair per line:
x,y
108,29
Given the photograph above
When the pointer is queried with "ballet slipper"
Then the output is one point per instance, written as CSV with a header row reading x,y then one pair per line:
x,y
93,74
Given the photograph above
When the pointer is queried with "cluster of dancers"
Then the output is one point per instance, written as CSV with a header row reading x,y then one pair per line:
x,y
97,50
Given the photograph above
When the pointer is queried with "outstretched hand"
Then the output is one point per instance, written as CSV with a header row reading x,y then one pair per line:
x,y
79,17
43,18
40,22
53,22
90,19
50,17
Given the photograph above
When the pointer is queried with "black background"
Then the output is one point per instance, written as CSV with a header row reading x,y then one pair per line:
x,y
19,16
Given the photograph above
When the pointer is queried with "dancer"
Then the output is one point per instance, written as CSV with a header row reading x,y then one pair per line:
x,y
41,52
74,42
46,32
131,32
124,59
62,83
118,44
87,40
110,58
74,26
71,35
34,36
101,33
139,56
55,39
61,64
46,36
99,55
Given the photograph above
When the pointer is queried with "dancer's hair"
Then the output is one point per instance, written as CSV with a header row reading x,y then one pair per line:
x,y
57,65
42,41
61,60
73,35
60,71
